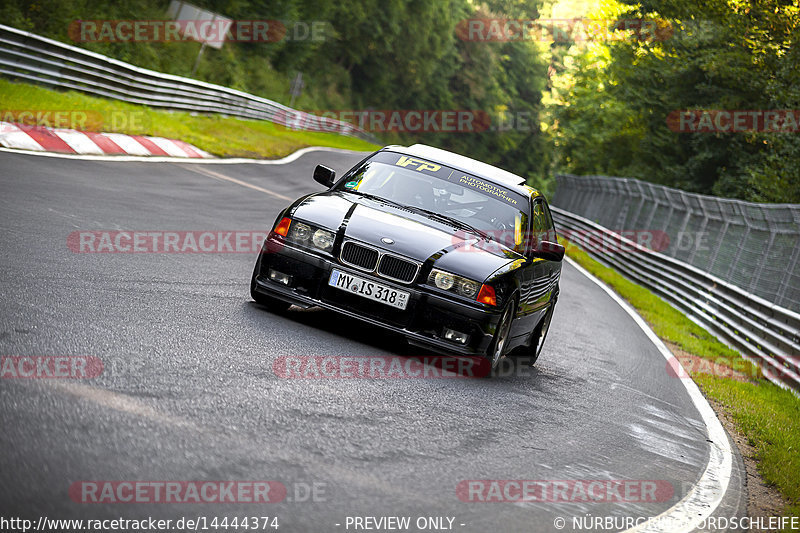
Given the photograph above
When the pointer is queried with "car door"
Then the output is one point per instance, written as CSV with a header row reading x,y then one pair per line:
x,y
532,275
553,268
542,272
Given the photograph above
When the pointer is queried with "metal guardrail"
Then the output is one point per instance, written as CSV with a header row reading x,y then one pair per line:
x,y
32,58
764,333
753,246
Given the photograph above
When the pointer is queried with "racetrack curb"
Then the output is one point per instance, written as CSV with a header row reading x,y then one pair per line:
x,y
156,159
69,141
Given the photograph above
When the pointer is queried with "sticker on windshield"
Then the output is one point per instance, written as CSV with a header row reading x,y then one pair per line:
x,y
350,184
456,177
417,164
487,187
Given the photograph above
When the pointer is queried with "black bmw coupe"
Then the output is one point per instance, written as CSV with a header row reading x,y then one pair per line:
x,y
450,252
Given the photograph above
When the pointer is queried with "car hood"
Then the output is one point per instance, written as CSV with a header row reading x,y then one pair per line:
x,y
413,235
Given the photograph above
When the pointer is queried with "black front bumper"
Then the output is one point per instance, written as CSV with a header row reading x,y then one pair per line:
x,y
422,322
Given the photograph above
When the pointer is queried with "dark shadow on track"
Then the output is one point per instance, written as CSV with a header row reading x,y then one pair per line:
x,y
509,369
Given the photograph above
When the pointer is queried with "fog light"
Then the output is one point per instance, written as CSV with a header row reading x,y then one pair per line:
x,y
280,277
456,336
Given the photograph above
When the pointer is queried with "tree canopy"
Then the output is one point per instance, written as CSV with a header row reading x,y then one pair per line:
x,y
586,105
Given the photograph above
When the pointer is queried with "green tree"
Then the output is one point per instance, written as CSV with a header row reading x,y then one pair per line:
x,y
719,54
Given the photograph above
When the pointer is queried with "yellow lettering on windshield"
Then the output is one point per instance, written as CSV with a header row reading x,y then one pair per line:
x,y
420,165
487,187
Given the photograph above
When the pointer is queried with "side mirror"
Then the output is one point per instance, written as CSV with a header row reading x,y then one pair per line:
x,y
324,175
552,251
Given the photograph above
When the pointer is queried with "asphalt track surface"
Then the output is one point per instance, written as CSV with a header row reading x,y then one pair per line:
x,y
189,392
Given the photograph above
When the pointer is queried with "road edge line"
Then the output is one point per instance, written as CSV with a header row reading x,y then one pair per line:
x,y
708,492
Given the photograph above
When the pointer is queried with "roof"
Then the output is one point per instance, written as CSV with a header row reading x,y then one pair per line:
x,y
469,165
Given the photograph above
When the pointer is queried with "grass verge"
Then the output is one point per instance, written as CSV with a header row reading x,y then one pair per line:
x,y
767,415
224,137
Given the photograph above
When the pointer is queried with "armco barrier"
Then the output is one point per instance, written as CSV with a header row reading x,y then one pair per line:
x,y
32,58
764,333
755,247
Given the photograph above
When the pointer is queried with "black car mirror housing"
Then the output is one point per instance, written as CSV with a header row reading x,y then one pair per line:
x,y
324,175
552,251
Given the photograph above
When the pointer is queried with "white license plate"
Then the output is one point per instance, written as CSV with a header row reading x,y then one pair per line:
x,y
368,289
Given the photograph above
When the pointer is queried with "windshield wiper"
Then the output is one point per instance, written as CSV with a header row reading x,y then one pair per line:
x,y
452,221
382,199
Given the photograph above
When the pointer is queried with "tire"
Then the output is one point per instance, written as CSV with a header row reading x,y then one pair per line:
x,y
497,349
539,334
273,304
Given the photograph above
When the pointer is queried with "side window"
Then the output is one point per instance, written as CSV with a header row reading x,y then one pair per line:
x,y
552,236
539,223
521,231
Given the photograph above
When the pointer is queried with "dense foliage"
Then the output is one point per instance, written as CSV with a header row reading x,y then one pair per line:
x,y
718,55
606,102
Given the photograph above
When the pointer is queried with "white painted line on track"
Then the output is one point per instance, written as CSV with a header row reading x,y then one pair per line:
x,y
216,175
705,496
117,401
160,159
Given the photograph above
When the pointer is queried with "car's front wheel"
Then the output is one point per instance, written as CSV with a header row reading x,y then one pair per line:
x,y
501,336
539,334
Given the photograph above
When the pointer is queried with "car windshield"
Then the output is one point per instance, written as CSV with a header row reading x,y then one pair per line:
x,y
468,201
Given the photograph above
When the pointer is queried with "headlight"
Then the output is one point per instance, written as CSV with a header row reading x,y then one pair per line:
x,y
450,282
300,233
323,240
310,236
468,288
443,280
